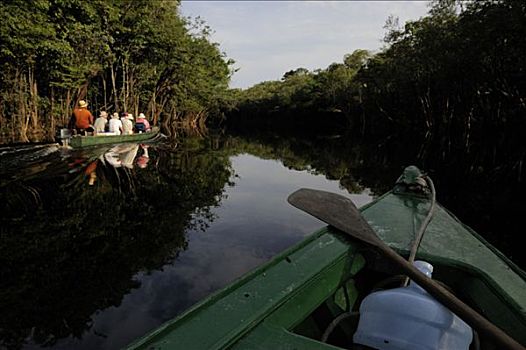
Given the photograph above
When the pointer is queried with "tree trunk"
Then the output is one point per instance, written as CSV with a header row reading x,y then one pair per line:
x,y
104,91
68,105
23,117
114,88
124,72
33,93
82,92
52,113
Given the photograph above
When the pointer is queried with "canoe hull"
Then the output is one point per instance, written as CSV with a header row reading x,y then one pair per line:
x,y
278,305
90,141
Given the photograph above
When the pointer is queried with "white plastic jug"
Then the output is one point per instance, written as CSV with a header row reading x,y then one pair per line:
x,y
409,318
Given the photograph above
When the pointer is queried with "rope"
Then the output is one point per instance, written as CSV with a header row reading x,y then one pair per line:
x,y
335,323
423,227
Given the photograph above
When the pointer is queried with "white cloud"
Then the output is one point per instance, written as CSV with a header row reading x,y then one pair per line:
x,y
268,38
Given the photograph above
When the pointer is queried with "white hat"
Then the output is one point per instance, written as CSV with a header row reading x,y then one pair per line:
x,y
103,114
83,104
142,115
115,115
129,116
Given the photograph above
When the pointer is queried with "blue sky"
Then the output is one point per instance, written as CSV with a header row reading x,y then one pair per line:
x,y
269,38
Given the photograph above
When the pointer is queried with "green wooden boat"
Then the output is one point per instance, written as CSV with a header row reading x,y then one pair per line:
x,y
78,141
292,301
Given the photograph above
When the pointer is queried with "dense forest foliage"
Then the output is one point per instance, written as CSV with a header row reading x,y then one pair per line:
x,y
455,78
133,56
456,75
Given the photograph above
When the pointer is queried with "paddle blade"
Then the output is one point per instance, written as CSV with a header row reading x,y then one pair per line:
x,y
336,210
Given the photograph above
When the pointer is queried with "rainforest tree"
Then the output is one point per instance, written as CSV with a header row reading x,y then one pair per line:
x,y
135,56
456,75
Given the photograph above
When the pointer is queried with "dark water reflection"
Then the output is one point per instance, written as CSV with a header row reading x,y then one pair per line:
x,y
98,247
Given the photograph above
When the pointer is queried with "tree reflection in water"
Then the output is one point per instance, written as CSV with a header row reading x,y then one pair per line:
x,y
80,230
69,249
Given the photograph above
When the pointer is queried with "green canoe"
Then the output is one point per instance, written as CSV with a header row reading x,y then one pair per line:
x,y
291,301
78,141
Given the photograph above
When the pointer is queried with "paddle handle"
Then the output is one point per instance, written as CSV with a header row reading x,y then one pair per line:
x,y
446,298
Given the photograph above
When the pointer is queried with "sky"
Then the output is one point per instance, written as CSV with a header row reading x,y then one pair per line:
x,y
269,38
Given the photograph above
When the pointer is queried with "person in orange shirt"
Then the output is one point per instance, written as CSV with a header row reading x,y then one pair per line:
x,y
83,117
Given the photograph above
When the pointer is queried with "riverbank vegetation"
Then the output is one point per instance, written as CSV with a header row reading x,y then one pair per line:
x,y
454,78
447,93
133,56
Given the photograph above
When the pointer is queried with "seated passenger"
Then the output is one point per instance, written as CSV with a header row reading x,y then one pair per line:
x,y
82,118
127,124
115,124
100,123
142,124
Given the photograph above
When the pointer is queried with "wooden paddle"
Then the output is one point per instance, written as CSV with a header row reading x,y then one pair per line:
x,y
341,213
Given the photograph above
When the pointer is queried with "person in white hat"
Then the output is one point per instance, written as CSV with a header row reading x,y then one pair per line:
x,y
142,124
100,123
115,124
127,124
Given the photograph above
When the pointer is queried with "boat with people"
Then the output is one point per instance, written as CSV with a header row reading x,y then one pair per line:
x,y
401,272
82,141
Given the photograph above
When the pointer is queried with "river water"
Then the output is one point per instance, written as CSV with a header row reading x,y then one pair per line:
x,y
100,246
